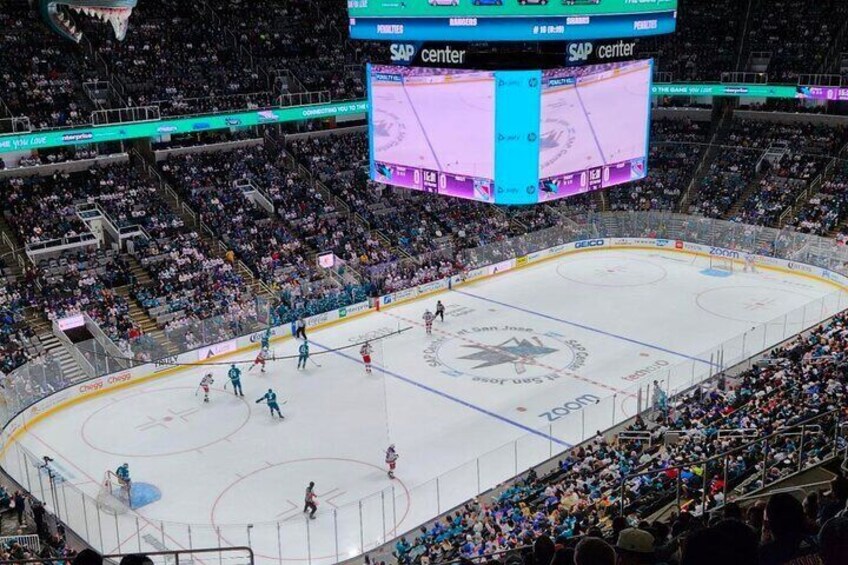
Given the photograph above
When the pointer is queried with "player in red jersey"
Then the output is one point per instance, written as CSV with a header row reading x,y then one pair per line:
x,y
366,351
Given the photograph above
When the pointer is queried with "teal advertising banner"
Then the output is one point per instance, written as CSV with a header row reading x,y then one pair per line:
x,y
78,136
517,117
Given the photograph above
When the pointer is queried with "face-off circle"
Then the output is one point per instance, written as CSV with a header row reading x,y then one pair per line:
x,y
611,271
506,355
338,509
752,304
172,422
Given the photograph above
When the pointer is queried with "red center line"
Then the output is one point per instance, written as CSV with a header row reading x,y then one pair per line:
x,y
528,361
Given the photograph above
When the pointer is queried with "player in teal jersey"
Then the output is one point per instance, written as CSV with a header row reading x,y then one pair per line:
x,y
303,354
270,399
235,380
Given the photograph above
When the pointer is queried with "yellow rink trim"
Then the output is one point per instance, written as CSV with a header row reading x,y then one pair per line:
x,y
115,387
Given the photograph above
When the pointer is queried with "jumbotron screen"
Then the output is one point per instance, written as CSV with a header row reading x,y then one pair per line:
x,y
509,137
509,20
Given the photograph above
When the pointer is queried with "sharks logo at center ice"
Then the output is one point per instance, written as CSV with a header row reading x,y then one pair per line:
x,y
505,355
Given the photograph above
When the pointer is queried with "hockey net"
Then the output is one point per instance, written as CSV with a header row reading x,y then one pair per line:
x,y
114,494
724,264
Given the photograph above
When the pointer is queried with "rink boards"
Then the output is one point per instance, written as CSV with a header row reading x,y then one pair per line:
x,y
223,350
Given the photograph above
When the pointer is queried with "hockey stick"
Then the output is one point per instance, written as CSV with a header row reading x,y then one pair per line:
x,y
314,362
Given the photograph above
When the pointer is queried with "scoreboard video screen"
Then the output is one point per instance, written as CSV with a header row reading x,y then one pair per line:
x,y
509,20
509,137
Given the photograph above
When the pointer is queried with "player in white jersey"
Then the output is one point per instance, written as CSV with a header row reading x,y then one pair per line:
x,y
428,318
366,351
391,460
205,383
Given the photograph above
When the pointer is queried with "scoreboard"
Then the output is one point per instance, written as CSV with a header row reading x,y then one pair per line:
x,y
509,137
509,20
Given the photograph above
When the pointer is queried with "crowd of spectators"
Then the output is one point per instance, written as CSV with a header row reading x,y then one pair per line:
x,y
676,149
827,208
39,80
796,37
745,155
16,337
802,382
415,222
190,58
807,149
232,190
705,44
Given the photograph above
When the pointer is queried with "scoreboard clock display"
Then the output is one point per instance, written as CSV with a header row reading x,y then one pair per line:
x,y
509,20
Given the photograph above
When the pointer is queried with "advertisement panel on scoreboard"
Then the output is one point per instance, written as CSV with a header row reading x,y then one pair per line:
x,y
509,137
509,20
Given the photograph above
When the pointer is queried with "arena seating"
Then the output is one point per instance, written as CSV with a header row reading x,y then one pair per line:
x,y
676,149
280,247
40,82
581,496
808,149
806,32
275,217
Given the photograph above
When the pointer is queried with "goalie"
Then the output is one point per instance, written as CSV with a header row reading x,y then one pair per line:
x,y
749,263
123,474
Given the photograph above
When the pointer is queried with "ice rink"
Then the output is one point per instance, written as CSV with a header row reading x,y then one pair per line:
x,y
524,365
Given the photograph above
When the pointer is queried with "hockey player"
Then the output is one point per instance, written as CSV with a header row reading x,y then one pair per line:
x,y
391,460
660,399
270,399
265,342
428,318
366,351
440,310
260,359
310,501
235,380
123,474
205,383
302,354
749,263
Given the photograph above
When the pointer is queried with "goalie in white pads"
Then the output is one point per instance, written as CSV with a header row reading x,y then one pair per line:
x,y
391,460
428,318
366,351
205,383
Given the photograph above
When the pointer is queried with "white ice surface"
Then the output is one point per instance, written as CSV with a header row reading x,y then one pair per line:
x,y
550,334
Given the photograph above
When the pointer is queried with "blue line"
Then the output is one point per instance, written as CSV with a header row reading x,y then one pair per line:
x,y
451,398
423,130
582,327
591,126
